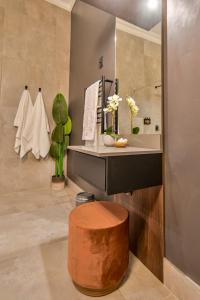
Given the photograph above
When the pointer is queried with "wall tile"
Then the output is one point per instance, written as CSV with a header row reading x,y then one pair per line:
x,y
7,140
152,71
152,49
10,5
34,50
41,11
13,81
63,28
24,174
13,21
2,13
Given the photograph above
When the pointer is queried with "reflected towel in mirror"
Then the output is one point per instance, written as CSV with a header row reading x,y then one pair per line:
x,y
90,112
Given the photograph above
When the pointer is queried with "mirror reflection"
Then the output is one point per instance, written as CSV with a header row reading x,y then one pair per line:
x,y
138,68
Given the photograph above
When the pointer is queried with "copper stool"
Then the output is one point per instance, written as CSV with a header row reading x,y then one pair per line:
x,y
98,248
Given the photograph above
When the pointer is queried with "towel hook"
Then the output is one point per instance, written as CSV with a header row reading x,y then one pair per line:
x,y
26,87
40,89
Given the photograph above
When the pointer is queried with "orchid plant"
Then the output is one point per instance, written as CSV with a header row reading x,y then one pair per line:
x,y
112,107
134,109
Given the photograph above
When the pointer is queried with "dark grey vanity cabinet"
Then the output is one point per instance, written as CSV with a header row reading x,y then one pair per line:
x,y
115,174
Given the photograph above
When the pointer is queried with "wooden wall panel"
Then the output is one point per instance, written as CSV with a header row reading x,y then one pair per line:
x,y
146,226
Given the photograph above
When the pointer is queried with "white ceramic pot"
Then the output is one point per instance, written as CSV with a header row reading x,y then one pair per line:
x,y
108,140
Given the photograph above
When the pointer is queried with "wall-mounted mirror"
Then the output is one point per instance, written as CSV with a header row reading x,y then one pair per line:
x,y
138,68
125,36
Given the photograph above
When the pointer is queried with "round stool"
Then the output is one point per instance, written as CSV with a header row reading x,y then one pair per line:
x,y
98,248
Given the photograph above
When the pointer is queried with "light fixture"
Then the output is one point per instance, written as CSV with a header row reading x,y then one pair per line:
x,y
152,4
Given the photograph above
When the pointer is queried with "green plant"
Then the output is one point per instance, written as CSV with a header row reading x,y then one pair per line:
x,y
60,134
109,130
115,136
136,130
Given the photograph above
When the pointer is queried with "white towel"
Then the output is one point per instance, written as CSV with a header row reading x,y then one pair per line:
x,y
24,113
90,112
36,132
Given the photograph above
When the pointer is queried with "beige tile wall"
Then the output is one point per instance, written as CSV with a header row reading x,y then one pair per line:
x,y
34,50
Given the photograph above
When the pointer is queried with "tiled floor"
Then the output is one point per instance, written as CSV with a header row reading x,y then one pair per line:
x,y
33,252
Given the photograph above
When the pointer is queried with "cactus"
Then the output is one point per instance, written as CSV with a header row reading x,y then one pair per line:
x,y
60,134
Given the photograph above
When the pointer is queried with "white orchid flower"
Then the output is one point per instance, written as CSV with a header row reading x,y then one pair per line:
x,y
132,105
115,98
113,104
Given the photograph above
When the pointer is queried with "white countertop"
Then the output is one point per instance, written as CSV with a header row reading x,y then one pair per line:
x,y
103,151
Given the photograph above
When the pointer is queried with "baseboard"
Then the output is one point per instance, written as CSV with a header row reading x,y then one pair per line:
x,y
181,285
74,186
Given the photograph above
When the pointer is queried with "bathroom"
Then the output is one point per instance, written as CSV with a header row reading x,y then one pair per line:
x,y
142,156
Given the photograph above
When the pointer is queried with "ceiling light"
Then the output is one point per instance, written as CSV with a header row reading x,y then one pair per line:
x,y
152,4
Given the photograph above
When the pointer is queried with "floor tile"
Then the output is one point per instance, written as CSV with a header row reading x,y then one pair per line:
x,y
33,252
141,284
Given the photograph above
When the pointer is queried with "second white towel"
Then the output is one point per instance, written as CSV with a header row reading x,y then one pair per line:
x,y
36,132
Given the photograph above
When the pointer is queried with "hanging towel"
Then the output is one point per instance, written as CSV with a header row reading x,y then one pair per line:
x,y
36,132
24,113
90,112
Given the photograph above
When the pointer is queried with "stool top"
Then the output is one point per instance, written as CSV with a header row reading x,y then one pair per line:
x,y
98,215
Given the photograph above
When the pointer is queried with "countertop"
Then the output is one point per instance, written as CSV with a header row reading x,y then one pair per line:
x,y
102,151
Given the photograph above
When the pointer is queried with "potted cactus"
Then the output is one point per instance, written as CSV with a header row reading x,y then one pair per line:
x,y
60,139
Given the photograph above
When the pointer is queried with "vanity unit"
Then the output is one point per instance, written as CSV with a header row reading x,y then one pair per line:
x,y
113,170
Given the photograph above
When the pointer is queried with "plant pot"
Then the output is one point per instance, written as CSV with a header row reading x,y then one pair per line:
x,y
58,183
108,140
